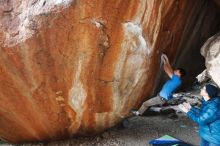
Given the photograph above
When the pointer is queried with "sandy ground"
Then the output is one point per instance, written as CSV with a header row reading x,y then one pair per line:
x,y
137,131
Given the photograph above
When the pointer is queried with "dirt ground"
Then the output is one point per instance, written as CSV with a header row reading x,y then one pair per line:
x,y
137,131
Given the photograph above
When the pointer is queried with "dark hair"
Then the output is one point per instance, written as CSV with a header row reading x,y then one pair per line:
x,y
182,71
211,90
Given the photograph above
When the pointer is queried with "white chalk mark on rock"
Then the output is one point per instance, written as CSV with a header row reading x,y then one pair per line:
x,y
77,93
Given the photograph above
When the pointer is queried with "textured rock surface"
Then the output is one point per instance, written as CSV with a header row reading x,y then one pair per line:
x,y
211,52
217,2
19,18
77,67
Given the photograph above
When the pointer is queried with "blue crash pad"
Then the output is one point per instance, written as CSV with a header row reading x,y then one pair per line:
x,y
167,140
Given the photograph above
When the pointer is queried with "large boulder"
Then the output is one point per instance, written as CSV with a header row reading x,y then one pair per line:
x,y
211,53
76,67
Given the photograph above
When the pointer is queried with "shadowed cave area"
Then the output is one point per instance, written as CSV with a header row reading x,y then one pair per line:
x,y
195,35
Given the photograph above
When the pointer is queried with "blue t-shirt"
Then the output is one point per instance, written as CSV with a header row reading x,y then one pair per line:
x,y
170,86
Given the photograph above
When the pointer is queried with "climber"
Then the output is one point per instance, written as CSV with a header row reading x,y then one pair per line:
x,y
168,88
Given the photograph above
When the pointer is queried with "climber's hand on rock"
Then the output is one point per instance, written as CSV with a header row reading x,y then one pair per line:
x,y
164,58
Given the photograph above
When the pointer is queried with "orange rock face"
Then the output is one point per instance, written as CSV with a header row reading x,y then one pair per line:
x,y
76,67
